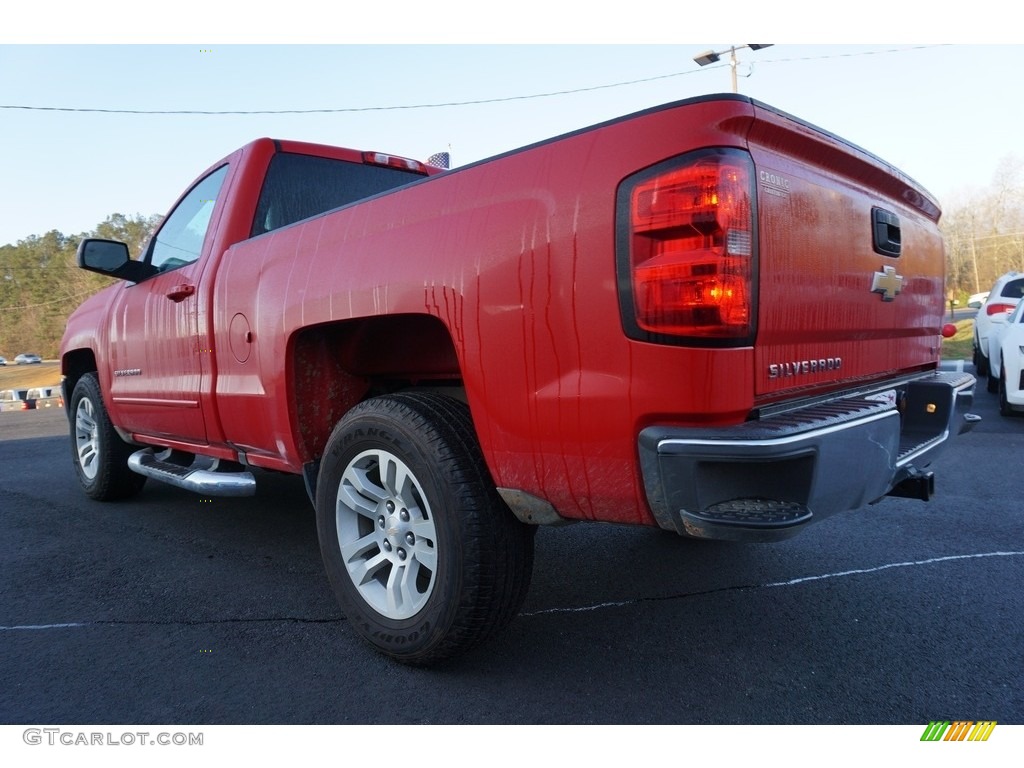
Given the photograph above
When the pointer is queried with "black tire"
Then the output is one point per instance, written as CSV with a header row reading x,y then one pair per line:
x,y
441,527
992,383
1005,409
98,453
980,363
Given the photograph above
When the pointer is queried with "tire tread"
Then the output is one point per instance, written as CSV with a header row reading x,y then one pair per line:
x,y
497,548
114,481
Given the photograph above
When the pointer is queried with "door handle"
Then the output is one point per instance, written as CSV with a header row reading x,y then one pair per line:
x,y
181,292
885,228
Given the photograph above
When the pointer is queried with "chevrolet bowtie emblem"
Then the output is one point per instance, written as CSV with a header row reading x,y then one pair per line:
x,y
887,283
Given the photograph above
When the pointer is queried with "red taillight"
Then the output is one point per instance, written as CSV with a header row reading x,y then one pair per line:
x,y
998,309
691,249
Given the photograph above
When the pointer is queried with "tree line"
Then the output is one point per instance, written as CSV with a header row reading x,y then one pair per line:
x,y
40,284
984,232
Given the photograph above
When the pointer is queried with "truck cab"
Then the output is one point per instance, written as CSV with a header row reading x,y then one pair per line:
x,y
164,341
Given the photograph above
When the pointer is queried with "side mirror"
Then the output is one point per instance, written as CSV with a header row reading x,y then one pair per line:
x,y
110,258
103,256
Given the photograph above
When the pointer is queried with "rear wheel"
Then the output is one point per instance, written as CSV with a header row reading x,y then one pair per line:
x,y
992,383
423,555
99,454
980,362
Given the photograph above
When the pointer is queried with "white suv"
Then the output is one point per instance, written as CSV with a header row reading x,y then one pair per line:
x,y
1002,299
1007,362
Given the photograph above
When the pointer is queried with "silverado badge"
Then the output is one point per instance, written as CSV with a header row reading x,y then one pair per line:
x,y
887,283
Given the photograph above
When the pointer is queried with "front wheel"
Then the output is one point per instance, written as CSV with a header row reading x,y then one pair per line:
x,y
99,454
424,557
1005,409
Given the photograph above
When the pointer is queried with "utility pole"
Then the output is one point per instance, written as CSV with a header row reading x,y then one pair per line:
x,y
710,57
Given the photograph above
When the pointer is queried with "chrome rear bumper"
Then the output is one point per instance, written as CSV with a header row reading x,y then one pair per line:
x,y
764,480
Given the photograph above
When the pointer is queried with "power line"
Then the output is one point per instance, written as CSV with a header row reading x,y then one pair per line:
x,y
347,109
34,267
437,105
55,301
852,54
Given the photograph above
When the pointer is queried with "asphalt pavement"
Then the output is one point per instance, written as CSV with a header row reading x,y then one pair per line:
x,y
178,610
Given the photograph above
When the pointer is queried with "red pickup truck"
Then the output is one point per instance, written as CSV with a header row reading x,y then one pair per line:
x,y
708,317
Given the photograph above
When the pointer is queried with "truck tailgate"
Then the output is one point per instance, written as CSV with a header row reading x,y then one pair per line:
x,y
850,264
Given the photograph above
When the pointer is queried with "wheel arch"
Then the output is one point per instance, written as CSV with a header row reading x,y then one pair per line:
x,y
334,366
76,363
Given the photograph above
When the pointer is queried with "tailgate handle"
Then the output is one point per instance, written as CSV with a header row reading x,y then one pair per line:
x,y
885,229
181,292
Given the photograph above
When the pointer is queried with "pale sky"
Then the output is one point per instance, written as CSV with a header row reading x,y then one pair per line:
x,y
945,114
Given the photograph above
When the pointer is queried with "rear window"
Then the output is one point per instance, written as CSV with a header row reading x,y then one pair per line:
x,y
1013,289
299,186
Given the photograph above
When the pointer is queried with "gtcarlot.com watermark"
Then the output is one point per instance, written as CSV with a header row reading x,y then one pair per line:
x,y
60,737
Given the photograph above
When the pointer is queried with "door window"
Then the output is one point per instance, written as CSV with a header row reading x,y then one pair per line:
x,y
180,239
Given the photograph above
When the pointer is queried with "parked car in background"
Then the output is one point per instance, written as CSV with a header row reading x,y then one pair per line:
x,y
1007,368
27,359
16,400
977,299
3,361
46,397
1003,297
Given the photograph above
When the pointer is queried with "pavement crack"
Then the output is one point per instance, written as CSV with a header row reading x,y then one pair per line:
x,y
769,585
